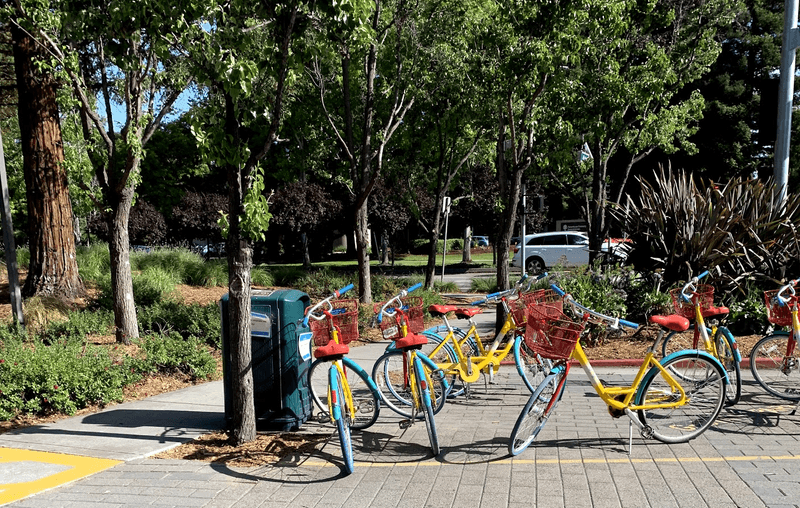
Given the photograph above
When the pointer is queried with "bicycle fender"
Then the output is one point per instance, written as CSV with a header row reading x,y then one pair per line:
x,y
729,335
434,368
333,386
686,352
364,375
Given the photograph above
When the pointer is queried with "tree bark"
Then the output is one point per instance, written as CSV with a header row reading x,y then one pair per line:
x,y
362,251
125,322
466,254
53,268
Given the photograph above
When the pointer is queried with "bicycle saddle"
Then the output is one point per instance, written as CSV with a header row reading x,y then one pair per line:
x,y
467,313
673,322
412,340
441,310
331,349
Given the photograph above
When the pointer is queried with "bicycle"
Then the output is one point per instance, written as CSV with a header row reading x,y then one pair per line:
x,y
774,361
406,372
696,302
463,355
656,402
352,397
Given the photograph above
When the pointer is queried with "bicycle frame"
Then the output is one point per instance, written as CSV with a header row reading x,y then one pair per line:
x,y
611,394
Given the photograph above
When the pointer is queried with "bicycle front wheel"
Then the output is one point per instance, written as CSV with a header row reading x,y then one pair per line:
x,y
702,379
366,403
424,396
341,416
727,355
391,375
777,372
680,341
530,366
535,413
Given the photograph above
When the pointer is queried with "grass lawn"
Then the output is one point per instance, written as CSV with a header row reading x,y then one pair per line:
x,y
409,260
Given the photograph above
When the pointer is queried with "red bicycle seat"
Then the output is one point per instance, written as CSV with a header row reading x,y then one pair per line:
x,y
672,322
715,311
412,340
441,310
467,313
331,349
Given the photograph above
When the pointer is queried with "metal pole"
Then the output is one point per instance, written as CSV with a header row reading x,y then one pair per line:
x,y
785,94
446,210
522,241
8,242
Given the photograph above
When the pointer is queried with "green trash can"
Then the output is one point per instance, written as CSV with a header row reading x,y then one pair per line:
x,y
280,373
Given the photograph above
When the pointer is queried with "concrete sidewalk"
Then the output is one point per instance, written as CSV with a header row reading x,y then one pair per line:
x,y
749,458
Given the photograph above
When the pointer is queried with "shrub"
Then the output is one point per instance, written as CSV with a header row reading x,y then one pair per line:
x,y
94,263
78,325
171,352
748,313
62,377
201,321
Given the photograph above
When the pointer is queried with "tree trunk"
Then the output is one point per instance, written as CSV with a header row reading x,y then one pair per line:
x,y
362,252
53,268
466,254
433,252
126,325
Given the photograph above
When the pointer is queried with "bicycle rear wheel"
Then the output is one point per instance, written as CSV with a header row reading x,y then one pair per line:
x,y
680,341
703,381
340,410
366,403
536,412
727,355
777,372
391,375
424,393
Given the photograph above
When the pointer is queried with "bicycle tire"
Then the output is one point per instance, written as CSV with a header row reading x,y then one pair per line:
x,y
535,413
727,355
702,378
424,396
338,405
391,377
771,369
367,403
530,366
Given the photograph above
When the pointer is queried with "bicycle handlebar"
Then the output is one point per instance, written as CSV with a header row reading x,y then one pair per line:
x,y
784,300
693,285
397,298
516,289
612,321
310,310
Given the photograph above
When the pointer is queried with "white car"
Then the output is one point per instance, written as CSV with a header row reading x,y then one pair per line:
x,y
546,250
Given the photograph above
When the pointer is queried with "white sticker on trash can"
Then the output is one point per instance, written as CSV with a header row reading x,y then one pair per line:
x,y
304,345
260,325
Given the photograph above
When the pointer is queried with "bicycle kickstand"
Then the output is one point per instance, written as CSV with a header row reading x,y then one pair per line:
x,y
794,411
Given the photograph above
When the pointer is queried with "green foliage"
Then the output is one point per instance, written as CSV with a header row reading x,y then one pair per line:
x,y
78,325
171,352
94,263
170,317
62,377
483,284
646,299
321,283
23,257
261,277
686,225
601,292
748,313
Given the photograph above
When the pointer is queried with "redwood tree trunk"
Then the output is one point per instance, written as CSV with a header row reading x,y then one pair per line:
x,y
53,266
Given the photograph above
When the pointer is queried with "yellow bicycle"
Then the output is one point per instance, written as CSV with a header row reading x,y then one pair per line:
x,y
674,400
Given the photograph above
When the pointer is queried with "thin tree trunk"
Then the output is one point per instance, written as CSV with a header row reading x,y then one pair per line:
x,y
126,325
53,268
362,252
466,253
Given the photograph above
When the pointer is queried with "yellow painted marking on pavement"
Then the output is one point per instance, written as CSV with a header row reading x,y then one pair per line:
x,y
79,467
429,463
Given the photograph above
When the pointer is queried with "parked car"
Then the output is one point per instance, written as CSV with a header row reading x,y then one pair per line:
x,y
480,241
546,250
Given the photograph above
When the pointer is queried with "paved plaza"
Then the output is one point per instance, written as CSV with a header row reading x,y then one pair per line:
x,y
580,458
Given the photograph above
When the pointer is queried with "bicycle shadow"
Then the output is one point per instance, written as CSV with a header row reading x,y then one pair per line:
x,y
754,412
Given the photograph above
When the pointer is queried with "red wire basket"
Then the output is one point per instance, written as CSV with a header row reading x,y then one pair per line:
x,y
777,315
550,333
519,311
345,319
546,297
411,310
705,295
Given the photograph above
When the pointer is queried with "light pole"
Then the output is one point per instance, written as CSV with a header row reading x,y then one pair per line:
x,y
789,43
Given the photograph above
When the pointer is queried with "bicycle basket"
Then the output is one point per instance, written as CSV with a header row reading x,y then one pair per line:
x,y
546,297
411,310
551,334
345,319
704,294
777,315
518,311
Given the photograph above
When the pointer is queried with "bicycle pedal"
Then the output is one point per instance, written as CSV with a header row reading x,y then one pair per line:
x,y
323,417
404,424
